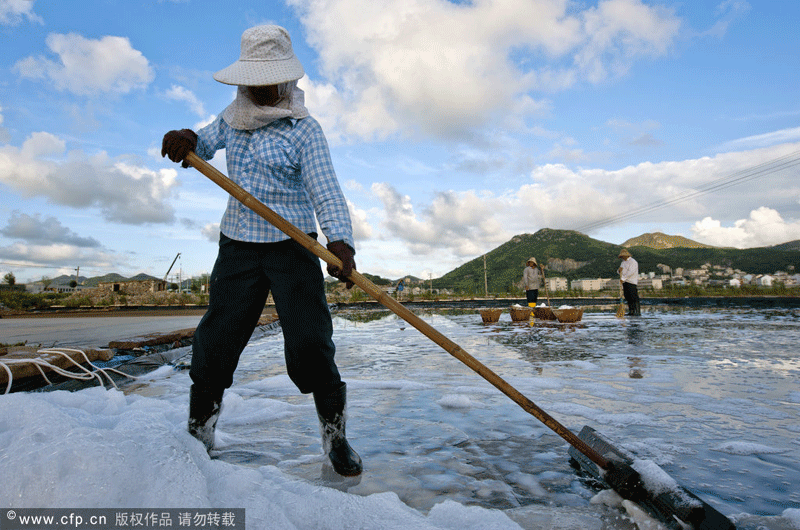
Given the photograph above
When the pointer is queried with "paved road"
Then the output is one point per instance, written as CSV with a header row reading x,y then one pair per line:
x,y
94,331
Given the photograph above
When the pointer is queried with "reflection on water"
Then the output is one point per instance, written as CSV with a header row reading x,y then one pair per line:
x,y
711,395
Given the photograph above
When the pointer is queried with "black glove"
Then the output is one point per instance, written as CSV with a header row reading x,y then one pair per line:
x,y
178,144
344,252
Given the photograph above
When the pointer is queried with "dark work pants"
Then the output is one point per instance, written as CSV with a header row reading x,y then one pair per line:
x,y
240,282
631,293
532,295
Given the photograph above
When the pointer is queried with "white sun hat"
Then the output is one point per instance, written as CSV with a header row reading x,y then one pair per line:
x,y
266,58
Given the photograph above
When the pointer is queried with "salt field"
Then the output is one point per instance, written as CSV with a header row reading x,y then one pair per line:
x,y
710,395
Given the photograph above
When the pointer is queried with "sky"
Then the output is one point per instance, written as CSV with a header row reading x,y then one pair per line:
x,y
453,125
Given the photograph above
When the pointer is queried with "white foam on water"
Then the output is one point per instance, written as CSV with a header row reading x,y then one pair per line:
x,y
711,409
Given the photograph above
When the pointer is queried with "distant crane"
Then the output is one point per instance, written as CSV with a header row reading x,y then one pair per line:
x,y
173,264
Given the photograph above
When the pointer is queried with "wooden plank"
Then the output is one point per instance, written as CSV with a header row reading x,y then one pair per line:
x,y
669,505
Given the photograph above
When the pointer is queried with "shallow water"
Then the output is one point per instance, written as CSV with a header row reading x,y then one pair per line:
x,y
710,395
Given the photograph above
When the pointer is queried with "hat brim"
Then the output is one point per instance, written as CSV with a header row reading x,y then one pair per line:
x,y
261,73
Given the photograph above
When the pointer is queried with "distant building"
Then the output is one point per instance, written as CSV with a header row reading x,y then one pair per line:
x,y
556,284
39,287
665,269
765,280
586,284
134,286
651,283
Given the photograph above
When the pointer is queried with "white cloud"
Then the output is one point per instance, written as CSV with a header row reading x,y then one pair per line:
x,y
57,254
3,132
447,69
340,120
763,140
35,229
618,32
458,225
123,192
359,219
728,11
207,121
89,67
12,12
765,227
179,93
211,232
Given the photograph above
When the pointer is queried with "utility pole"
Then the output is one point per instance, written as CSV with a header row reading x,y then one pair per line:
x,y
77,275
485,279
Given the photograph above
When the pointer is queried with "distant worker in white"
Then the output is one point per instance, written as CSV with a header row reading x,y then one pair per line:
x,y
629,277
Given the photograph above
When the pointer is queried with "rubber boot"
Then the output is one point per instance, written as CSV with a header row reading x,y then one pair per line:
x,y
204,408
330,411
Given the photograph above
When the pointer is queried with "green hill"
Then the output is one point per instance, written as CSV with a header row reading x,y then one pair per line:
x,y
564,253
660,240
96,280
791,245
574,255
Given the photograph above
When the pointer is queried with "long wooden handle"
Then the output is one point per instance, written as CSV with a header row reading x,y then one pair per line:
x,y
400,310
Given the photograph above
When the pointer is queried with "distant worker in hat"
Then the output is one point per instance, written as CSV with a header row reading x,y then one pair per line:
x,y
629,277
279,154
531,281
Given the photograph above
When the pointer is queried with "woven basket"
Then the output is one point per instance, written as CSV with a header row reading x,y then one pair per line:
x,y
543,313
520,314
491,315
568,315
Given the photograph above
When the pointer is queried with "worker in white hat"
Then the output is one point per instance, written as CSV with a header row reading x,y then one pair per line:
x,y
279,154
531,281
629,277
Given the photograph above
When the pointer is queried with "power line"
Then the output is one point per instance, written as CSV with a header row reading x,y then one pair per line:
x,y
738,177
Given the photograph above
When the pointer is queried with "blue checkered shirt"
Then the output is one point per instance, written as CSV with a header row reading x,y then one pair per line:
x,y
287,166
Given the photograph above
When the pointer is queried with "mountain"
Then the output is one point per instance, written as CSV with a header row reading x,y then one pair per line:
x,y
64,280
660,240
791,245
142,277
112,277
574,255
96,280
564,252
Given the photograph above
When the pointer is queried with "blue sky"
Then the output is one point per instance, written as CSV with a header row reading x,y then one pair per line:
x,y
453,125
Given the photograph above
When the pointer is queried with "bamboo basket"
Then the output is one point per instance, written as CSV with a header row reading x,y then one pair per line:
x,y
520,314
568,315
490,315
544,313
